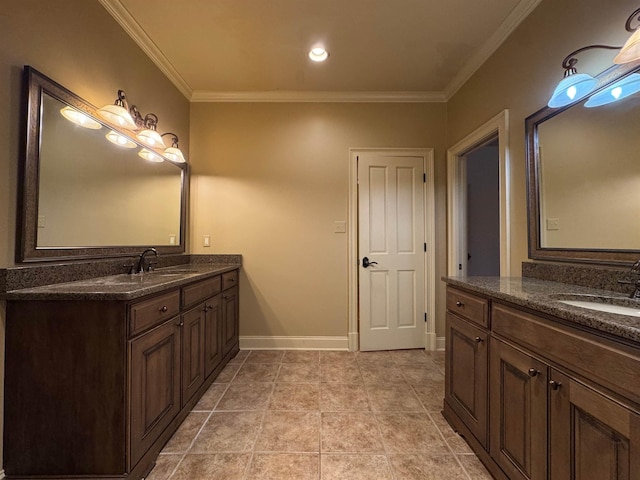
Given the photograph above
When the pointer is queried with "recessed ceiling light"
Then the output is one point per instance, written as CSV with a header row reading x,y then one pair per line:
x,y
318,54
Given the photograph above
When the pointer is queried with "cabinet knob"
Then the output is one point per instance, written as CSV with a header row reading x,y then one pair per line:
x,y
459,304
163,309
554,385
181,324
478,340
533,372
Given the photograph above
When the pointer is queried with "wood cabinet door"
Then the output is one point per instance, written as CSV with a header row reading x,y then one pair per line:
x,y
229,319
212,334
154,385
466,386
518,418
592,437
193,336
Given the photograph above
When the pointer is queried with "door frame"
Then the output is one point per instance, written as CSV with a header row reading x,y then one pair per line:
x,y
457,194
353,259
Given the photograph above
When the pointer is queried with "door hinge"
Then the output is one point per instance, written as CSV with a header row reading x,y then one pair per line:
x,y
425,316
424,178
425,246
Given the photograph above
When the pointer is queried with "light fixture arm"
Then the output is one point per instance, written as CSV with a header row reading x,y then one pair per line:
x,y
634,16
570,61
121,101
174,139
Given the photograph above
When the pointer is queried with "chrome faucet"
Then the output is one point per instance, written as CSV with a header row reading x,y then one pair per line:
x,y
635,270
142,262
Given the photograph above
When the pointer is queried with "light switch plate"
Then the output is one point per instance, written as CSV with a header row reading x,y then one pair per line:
x,y
339,227
553,224
206,241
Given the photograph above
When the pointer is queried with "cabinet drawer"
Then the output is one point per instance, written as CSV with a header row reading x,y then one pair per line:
x,y
613,366
229,279
192,294
146,314
468,306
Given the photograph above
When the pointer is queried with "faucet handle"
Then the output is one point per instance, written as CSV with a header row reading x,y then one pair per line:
x,y
131,268
151,266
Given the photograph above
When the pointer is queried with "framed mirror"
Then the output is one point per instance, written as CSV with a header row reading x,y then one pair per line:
x,y
83,196
583,179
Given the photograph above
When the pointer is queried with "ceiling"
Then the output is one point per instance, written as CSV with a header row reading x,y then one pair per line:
x,y
380,50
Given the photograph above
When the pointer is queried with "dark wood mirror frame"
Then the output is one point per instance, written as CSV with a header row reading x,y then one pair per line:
x,y
536,251
34,85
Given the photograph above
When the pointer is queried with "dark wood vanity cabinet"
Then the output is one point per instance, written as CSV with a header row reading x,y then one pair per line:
x,y
562,404
94,389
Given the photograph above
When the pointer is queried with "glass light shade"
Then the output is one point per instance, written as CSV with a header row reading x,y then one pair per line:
x,y
79,118
120,140
174,154
619,90
630,52
118,116
150,137
150,156
571,89
318,54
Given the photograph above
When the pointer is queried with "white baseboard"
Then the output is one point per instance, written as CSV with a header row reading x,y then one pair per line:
x,y
293,343
440,343
1,474
354,341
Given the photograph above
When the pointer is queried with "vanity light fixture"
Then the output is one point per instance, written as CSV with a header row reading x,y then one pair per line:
x,y
118,113
79,118
318,54
120,140
149,135
173,153
619,90
630,51
150,156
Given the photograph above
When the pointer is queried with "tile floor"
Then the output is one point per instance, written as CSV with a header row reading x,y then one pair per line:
x,y
321,415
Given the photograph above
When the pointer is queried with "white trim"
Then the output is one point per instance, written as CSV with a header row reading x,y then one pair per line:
x,y
128,23
430,238
318,97
293,343
517,15
441,344
1,474
456,187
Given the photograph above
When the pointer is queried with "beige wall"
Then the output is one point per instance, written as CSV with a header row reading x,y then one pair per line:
x,y
521,76
269,180
79,45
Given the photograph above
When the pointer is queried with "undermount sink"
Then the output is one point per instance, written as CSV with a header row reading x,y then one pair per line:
x,y
616,305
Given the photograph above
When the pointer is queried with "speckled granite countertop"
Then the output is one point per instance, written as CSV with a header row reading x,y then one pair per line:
x,y
123,287
544,296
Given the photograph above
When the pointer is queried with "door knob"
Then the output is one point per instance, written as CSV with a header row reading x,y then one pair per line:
x,y
366,262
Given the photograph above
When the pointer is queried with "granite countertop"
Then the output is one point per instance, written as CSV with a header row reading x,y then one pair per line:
x,y
544,296
122,287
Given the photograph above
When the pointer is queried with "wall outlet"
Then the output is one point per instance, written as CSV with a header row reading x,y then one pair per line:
x,y
172,239
553,224
42,221
206,241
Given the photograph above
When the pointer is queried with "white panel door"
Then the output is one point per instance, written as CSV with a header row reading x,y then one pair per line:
x,y
391,251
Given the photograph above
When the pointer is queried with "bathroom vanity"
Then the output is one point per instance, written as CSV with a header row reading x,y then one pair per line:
x,y
101,372
541,389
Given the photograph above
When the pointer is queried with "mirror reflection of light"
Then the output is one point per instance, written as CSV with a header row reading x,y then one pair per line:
x,y
79,118
120,140
150,156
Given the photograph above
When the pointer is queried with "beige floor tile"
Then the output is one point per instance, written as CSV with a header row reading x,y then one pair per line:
x,y
410,433
284,467
426,467
240,357
420,374
474,467
289,432
410,357
181,440
222,466
256,372
431,394
354,467
165,465
393,398
378,358
227,374
350,432
211,397
380,374
455,441
337,357
301,356
299,373
228,432
337,397
246,396
264,356
295,396
340,373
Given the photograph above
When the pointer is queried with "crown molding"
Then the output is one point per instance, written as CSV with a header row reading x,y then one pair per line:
x,y
119,12
517,15
318,97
